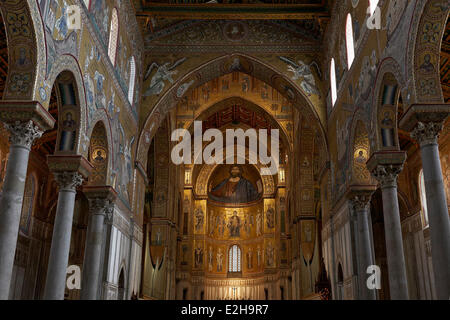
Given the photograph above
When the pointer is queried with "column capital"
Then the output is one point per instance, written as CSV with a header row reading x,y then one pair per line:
x,y
360,196
68,180
427,133
69,171
23,133
101,199
386,166
425,121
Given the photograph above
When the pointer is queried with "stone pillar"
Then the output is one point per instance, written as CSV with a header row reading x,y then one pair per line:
x,y
25,121
101,204
360,200
425,122
385,167
69,172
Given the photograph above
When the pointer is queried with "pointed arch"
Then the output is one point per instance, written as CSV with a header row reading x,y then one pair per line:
x,y
217,67
99,155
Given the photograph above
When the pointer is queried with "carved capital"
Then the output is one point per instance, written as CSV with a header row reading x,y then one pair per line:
x,y
427,133
101,206
361,201
68,180
109,213
23,133
387,175
101,200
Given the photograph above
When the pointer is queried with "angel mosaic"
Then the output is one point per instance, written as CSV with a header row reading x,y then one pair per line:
x,y
303,71
164,72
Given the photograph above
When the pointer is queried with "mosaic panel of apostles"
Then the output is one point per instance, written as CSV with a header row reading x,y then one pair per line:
x,y
234,213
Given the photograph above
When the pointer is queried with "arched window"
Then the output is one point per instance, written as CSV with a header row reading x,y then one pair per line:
x,y
132,80
349,41
113,35
423,198
87,3
372,6
333,82
234,259
27,204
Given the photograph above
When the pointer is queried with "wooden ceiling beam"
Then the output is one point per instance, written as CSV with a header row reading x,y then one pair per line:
x,y
229,11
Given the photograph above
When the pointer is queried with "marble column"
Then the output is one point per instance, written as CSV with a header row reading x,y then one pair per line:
x,y
101,205
385,167
62,231
69,173
361,202
425,122
22,135
26,121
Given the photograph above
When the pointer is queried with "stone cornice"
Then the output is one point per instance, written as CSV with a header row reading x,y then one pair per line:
x,y
424,113
12,111
69,163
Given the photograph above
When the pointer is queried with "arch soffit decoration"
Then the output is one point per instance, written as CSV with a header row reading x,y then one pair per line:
x,y
427,28
22,19
388,67
359,118
109,147
69,63
215,68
